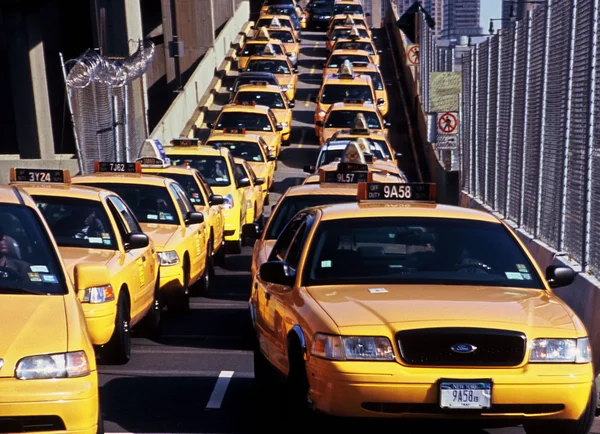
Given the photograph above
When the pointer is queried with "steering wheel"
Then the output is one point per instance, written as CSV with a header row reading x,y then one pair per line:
x,y
478,265
9,273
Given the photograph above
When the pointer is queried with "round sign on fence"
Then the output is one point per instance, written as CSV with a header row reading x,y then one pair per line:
x,y
447,123
413,55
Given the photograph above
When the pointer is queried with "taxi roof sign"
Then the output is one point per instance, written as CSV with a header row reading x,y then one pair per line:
x,y
234,130
349,21
346,69
396,192
341,176
269,50
263,34
275,23
152,162
55,176
364,145
354,33
185,141
117,167
361,126
353,154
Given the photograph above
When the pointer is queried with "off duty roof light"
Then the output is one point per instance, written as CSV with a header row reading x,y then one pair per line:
x,y
346,69
275,23
54,176
117,167
353,154
263,34
185,142
349,21
152,162
354,33
396,192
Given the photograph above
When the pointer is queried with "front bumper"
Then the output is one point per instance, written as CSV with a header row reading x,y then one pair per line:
x,y
66,405
171,278
232,224
387,389
100,319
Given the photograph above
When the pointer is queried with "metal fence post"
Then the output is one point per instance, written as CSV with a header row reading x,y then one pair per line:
x,y
498,100
488,104
526,114
472,122
126,115
476,141
511,118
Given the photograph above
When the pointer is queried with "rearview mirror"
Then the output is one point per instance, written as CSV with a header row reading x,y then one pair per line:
x,y
279,127
559,275
251,231
309,169
388,124
210,125
319,123
194,218
135,240
380,101
89,275
259,181
379,51
277,272
243,182
398,155
216,199
272,158
292,104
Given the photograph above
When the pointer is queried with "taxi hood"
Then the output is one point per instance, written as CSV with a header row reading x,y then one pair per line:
x,y
37,325
280,114
413,306
76,255
260,169
159,233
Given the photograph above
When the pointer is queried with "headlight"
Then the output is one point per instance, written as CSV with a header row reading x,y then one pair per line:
x,y
99,294
168,258
62,365
561,351
227,201
284,88
352,347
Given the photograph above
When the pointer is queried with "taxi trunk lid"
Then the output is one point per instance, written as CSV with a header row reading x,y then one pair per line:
x,y
36,324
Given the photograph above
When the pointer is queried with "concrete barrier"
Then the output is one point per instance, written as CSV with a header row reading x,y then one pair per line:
x,y
188,109
61,161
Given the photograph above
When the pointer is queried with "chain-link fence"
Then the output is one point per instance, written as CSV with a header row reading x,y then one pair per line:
x,y
530,125
106,98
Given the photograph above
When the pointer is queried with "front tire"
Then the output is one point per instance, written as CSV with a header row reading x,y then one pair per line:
x,y
180,301
118,350
151,324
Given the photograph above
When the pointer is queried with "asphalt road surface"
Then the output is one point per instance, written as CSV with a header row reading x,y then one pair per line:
x,y
198,376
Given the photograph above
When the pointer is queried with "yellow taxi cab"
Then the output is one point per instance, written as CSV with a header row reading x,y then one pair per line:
x,y
373,71
254,119
396,306
266,4
255,202
203,199
254,150
295,12
265,20
343,32
338,58
343,115
215,164
263,93
48,375
279,66
286,36
345,85
348,20
355,42
93,226
351,7
358,160
256,47
166,214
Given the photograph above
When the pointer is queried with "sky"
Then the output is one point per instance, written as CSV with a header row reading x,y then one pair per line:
x,y
490,9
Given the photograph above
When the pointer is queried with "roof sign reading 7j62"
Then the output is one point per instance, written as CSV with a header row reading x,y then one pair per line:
x,y
39,175
116,167
397,192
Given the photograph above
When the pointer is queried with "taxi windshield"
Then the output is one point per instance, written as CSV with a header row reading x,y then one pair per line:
x,y
331,155
267,65
270,99
284,36
346,118
189,184
28,261
249,151
375,78
333,93
77,222
266,22
278,2
248,120
355,45
149,203
345,32
282,10
417,251
291,205
258,49
212,168
336,60
347,9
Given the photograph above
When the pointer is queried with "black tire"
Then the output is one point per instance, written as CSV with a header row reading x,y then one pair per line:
x,y
180,301
287,142
118,350
579,426
296,387
204,285
151,324
267,199
100,428
219,256
263,372
211,257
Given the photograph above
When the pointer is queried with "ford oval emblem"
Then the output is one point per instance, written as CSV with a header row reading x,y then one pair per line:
x,y
463,348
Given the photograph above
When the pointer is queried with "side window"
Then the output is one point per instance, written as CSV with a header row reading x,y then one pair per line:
x,y
121,225
293,253
205,190
239,172
285,239
126,214
185,200
179,200
273,119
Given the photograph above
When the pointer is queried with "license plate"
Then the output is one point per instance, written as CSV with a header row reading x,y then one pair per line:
x,y
465,395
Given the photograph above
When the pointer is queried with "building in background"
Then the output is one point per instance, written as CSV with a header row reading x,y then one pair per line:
x,y
461,18
519,8
436,10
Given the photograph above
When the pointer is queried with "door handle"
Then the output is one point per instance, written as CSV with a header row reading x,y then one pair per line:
x,y
268,295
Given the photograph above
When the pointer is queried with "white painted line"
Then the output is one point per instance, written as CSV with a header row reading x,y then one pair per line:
x,y
219,391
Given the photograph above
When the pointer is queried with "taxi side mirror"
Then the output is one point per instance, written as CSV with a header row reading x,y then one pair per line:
x,y
379,51
319,123
559,275
216,199
136,240
298,40
272,158
398,155
277,272
279,127
292,104
210,125
368,14
309,169
88,275
295,70
388,124
251,231
194,218
259,181
380,101
243,182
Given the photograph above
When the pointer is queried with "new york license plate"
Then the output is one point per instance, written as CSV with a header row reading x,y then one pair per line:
x,y
465,395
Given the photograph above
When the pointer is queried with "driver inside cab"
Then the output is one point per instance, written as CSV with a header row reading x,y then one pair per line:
x,y
9,257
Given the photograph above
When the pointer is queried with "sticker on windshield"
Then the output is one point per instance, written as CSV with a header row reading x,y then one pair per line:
x,y
522,268
152,217
39,268
35,277
377,290
220,179
105,235
49,278
526,276
325,264
266,128
95,240
107,242
513,276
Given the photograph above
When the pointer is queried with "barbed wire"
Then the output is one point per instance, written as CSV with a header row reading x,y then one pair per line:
x,y
92,67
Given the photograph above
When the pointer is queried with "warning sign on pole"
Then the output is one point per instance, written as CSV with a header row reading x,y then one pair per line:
x,y
447,123
412,55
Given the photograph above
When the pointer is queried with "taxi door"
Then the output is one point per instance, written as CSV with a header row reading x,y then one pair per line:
x,y
273,299
215,213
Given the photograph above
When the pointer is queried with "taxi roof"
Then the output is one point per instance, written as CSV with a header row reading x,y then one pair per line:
x,y
321,189
258,87
220,135
245,108
271,16
360,80
346,52
10,194
60,189
365,67
175,170
353,39
281,29
268,57
200,150
122,178
263,41
403,209
353,106
335,144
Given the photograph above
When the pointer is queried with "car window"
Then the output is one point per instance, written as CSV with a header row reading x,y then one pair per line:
x,y
258,49
375,79
270,99
239,120
130,220
284,36
189,182
285,240
274,66
355,45
183,204
345,119
418,251
333,93
336,60
77,222
266,22
293,254
249,151
28,260
342,33
212,168
347,9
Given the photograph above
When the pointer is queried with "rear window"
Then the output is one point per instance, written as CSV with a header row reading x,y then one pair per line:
x,y
348,9
258,49
345,119
344,33
266,22
352,45
264,65
270,99
336,60
249,151
240,81
282,35
333,93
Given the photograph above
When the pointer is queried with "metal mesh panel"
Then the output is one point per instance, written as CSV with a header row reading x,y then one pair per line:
x,y
481,113
553,144
465,122
517,129
490,173
505,94
574,236
594,217
534,119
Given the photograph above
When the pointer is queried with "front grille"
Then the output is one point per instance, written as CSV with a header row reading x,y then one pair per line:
x,y
432,347
410,408
31,424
